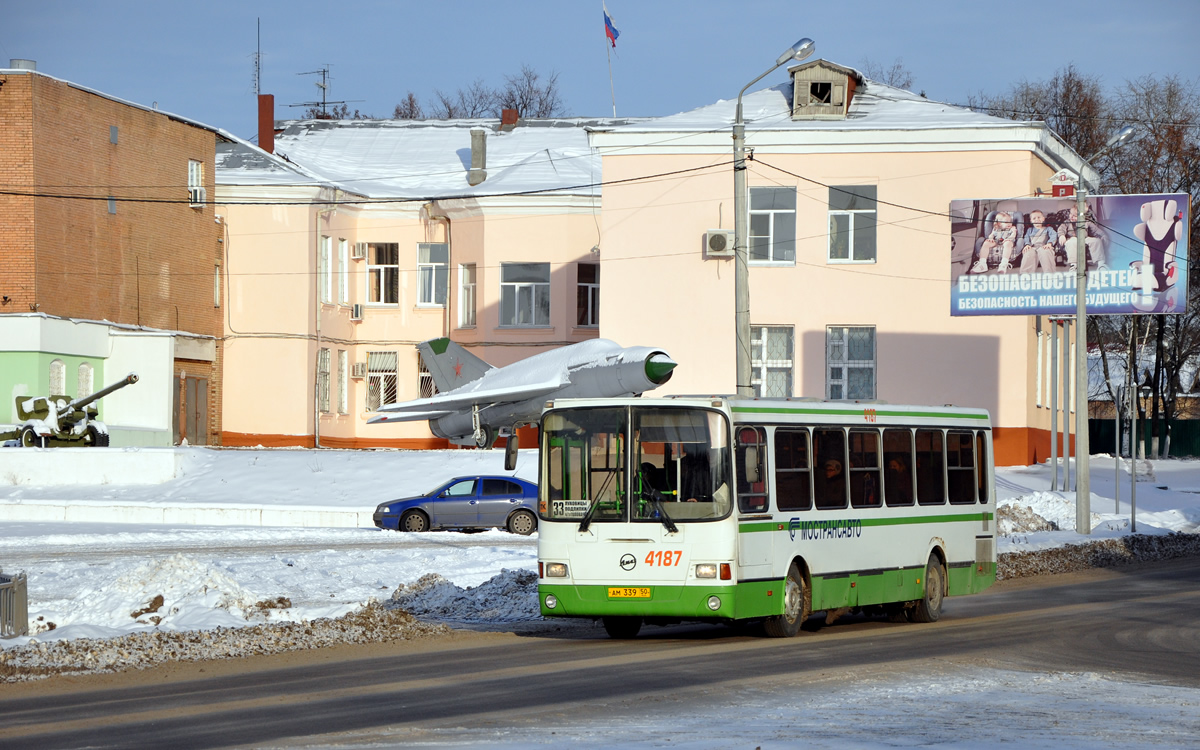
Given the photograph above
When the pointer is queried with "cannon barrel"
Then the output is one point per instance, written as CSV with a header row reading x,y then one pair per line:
x,y
83,401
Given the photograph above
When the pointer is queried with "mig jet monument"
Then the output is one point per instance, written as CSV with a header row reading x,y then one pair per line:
x,y
477,402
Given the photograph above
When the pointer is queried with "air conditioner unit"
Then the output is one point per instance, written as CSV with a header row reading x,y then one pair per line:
x,y
356,311
359,370
718,243
196,196
360,251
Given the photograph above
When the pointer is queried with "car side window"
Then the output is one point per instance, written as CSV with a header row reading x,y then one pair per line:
x,y
464,488
494,487
515,489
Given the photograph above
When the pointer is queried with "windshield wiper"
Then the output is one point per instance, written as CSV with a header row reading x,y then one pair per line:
x,y
587,517
656,502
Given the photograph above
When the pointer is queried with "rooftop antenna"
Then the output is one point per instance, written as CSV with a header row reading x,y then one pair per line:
x,y
258,63
322,84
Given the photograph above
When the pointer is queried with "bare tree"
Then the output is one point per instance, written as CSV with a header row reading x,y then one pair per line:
x,y
477,100
336,112
526,93
895,75
409,109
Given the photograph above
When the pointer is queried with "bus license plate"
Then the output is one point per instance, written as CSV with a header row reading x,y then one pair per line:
x,y
629,592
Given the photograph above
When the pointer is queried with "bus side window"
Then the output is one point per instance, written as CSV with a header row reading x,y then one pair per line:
x,y
829,455
981,466
960,467
931,489
752,478
898,474
865,482
793,480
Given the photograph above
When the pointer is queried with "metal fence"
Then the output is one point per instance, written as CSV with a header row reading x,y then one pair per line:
x,y
14,605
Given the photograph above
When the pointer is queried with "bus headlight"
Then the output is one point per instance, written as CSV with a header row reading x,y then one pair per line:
x,y
706,570
551,601
714,603
556,570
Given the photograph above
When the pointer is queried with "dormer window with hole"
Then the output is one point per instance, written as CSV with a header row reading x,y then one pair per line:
x,y
822,90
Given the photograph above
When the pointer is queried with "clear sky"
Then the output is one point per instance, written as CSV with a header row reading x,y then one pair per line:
x,y
197,58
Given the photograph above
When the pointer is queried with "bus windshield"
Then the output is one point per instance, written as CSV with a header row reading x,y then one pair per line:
x,y
641,464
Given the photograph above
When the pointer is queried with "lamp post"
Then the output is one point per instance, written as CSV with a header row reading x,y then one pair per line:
x,y
1083,479
1145,393
741,262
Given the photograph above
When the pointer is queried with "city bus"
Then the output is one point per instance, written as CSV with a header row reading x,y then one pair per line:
x,y
731,509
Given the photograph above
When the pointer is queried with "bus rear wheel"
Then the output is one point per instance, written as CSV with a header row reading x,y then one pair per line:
x,y
795,603
622,627
929,607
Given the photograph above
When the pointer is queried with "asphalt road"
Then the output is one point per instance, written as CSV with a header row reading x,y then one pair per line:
x,y
1142,622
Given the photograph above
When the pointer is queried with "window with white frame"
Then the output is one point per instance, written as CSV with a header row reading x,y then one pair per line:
x,y
343,381
466,295
383,273
382,379
196,197
324,277
85,380
772,353
772,225
343,271
323,379
588,296
525,294
850,362
852,222
432,259
58,378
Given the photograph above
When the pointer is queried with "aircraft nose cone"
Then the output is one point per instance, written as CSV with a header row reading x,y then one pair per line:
x,y
658,368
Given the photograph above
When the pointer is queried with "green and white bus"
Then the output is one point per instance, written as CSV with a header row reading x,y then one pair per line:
x,y
727,509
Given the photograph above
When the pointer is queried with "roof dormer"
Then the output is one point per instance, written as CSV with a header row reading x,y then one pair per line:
x,y
822,90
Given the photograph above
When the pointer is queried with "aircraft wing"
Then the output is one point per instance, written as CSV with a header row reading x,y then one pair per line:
x,y
444,404
411,416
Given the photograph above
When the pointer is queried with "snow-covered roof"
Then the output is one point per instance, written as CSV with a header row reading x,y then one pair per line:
x,y
421,159
241,163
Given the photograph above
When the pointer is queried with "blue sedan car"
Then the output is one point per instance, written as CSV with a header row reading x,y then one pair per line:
x,y
466,503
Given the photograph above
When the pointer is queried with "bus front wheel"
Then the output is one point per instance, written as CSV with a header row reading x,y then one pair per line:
x,y
788,624
622,627
929,607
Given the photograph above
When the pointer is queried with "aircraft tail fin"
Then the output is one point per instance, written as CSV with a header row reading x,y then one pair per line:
x,y
450,365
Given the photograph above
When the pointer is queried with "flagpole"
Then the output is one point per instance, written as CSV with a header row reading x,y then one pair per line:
x,y
611,90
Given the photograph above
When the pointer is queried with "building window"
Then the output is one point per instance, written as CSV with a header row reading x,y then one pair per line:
x,y
525,294
466,296
772,225
771,355
58,378
196,196
426,388
324,277
432,259
343,381
85,380
381,379
850,362
588,296
343,271
852,221
323,380
383,273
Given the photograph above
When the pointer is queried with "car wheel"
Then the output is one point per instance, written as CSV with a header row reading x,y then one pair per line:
x,y
522,522
929,607
30,438
414,520
788,624
622,627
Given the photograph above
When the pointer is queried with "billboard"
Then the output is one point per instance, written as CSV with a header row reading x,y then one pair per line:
x,y
1018,256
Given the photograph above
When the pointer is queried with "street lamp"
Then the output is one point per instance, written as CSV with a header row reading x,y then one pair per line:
x,y
741,262
1083,479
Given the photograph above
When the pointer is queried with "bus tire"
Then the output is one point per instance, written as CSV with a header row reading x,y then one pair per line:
x,y
929,607
795,604
622,628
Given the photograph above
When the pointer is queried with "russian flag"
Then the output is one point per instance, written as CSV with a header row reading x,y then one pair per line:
x,y
610,31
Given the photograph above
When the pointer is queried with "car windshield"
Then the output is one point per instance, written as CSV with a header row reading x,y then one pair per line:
x,y
650,464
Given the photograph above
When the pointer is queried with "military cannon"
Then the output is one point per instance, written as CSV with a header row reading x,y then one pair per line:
x,y
46,421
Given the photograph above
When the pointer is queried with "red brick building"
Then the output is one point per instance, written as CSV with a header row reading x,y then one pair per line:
x,y
106,215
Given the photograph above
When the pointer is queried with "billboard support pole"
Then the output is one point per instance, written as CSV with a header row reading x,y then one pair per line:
x,y
1083,479
1054,402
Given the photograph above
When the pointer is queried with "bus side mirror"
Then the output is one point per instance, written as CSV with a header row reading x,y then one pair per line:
x,y
750,459
510,452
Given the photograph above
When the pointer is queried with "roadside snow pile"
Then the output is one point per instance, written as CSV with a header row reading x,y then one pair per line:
x,y
371,624
1036,511
1018,519
510,596
1103,553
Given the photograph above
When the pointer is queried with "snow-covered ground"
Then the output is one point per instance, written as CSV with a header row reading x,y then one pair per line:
x,y
88,580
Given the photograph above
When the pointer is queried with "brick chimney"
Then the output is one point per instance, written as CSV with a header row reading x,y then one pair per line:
x,y
508,119
266,122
